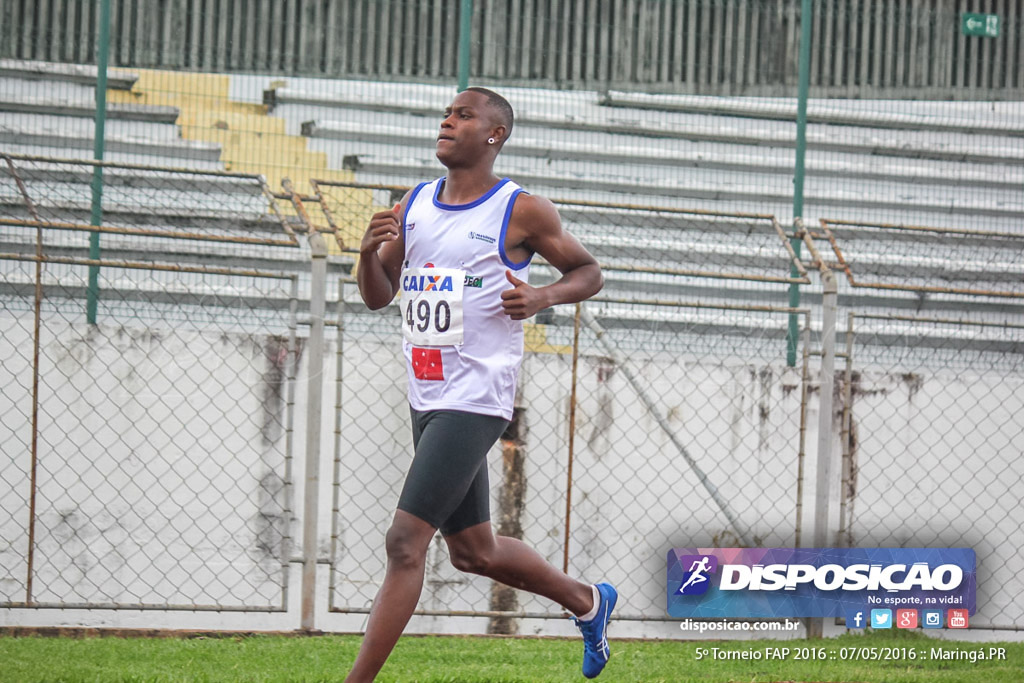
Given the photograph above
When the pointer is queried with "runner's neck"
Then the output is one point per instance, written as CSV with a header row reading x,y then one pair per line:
x,y
463,186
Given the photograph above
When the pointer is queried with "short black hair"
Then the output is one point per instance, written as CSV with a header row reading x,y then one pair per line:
x,y
501,105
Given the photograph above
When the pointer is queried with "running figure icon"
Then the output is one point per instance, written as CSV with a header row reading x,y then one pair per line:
x,y
697,573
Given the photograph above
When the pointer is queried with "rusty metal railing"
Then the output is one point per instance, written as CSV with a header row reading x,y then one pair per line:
x,y
53,171
911,258
764,225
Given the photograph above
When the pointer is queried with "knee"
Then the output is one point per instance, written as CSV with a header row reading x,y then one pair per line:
x,y
403,548
470,560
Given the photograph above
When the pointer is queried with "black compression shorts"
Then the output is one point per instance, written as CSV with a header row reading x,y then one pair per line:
x,y
447,481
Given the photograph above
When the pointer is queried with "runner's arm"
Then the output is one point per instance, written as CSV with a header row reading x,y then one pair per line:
x,y
537,220
380,257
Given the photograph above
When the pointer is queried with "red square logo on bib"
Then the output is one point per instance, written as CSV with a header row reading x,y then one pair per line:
x,y
426,364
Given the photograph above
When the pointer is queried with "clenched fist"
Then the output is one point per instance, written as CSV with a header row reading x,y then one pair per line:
x,y
385,226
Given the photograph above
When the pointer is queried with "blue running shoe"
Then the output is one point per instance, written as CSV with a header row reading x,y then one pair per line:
x,y
595,641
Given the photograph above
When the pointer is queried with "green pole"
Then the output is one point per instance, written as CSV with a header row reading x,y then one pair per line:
x,y
99,139
465,26
806,17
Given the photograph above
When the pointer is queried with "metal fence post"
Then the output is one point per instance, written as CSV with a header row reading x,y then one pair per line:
x,y
828,360
806,22
572,433
99,143
826,385
465,42
36,331
843,536
317,307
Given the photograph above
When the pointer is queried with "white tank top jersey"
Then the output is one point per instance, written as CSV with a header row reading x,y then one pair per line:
x,y
462,351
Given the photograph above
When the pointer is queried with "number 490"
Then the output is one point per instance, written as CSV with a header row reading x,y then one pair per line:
x,y
441,316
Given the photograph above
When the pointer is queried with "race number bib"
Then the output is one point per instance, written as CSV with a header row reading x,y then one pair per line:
x,y
432,306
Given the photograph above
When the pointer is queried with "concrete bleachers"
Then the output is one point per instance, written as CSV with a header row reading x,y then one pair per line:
x,y
908,162
159,123
951,165
727,156
942,164
48,109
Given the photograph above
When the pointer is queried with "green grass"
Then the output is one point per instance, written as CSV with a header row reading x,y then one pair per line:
x,y
437,658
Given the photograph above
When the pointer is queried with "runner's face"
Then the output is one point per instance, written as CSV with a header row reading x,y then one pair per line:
x,y
465,128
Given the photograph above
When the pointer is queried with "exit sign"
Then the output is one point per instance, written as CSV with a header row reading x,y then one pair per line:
x,y
972,24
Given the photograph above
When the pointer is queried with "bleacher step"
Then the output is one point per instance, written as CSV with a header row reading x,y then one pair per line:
x,y
881,142
710,189
161,215
830,112
54,152
157,179
82,74
183,252
87,109
702,156
179,149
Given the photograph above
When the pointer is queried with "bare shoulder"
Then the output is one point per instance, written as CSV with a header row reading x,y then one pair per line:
x,y
404,201
534,215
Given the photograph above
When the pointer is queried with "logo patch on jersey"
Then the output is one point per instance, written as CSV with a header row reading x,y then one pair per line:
x,y
410,226
426,364
474,281
427,283
482,238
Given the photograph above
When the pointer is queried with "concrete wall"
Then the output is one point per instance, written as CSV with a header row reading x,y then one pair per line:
x,y
161,467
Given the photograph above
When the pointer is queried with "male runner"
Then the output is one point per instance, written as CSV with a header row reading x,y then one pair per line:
x,y
459,250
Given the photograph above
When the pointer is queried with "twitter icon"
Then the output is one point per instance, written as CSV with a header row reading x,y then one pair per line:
x,y
881,618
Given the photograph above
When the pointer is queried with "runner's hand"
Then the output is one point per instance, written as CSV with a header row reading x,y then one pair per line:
x,y
385,226
522,301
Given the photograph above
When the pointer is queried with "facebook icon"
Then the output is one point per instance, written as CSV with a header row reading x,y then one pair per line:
x,y
855,619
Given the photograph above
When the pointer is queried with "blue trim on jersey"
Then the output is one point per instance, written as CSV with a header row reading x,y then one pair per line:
x,y
504,229
462,207
412,198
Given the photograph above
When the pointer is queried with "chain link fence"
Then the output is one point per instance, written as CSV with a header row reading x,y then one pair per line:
x,y
147,455
931,444
160,307
926,406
